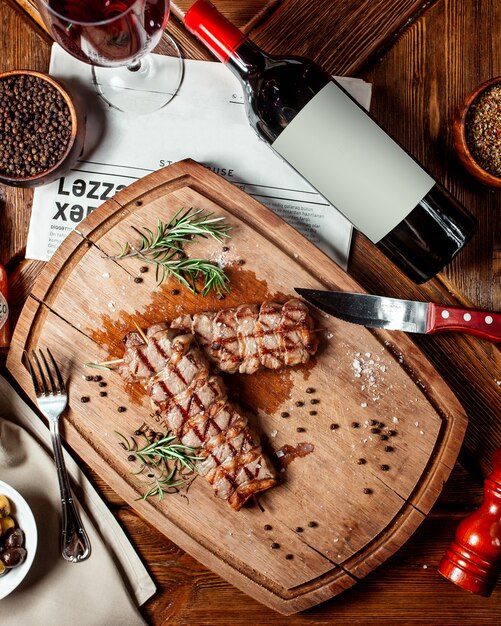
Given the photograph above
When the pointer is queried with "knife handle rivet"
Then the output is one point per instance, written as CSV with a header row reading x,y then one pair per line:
x,y
467,317
445,314
488,319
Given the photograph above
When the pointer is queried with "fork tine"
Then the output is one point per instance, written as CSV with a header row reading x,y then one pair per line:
x,y
40,371
58,373
49,373
38,390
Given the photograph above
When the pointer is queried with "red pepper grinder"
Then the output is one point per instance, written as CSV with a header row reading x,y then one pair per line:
x,y
473,560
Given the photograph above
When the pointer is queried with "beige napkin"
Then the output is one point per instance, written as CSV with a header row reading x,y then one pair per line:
x,y
105,589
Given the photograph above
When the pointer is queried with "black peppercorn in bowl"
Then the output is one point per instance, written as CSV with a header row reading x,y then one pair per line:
x,y
477,133
41,132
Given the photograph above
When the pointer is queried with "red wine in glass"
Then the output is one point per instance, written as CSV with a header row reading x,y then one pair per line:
x,y
112,34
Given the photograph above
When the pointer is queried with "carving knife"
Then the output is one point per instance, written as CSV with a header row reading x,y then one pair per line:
x,y
407,315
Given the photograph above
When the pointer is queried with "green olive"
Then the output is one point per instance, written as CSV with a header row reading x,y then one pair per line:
x,y
12,557
14,538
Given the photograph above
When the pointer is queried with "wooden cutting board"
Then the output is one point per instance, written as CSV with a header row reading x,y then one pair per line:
x,y
334,516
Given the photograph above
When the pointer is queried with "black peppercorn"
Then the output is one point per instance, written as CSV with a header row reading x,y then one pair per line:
x,y
143,269
388,449
35,123
312,524
241,262
392,433
367,490
138,279
284,414
84,399
175,292
299,529
383,437
300,429
375,431
385,468
275,545
310,390
103,384
121,409
98,378
103,394
355,425
138,432
313,413
289,556
131,457
361,462
299,403
221,296
89,377
268,527
314,401
225,249
334,426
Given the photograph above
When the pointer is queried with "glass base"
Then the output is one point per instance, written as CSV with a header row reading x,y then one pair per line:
x,y
145,87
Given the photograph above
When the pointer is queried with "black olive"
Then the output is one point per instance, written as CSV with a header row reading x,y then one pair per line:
x,y
12,557
14,538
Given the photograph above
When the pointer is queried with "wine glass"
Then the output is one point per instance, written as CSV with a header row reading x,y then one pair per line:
x,y
119,34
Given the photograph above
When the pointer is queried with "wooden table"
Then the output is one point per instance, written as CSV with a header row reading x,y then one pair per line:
x,y
422,58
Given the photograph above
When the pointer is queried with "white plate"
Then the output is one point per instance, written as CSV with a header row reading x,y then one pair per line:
x,y
24,519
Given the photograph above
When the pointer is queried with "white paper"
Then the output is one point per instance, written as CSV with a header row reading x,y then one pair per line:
x,y
206,122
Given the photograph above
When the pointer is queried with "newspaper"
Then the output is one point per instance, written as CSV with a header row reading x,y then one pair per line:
x,y
207,122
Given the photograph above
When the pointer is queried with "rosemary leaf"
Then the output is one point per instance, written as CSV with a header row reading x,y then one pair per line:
x,y
166,462
164,249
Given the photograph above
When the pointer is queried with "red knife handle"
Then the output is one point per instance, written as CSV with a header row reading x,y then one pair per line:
x,y
484,324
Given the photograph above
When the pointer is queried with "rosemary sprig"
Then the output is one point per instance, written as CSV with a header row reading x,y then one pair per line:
x,y
164,249
167,464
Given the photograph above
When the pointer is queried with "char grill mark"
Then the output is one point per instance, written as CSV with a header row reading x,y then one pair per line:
x,y
249,337
267,333
195,407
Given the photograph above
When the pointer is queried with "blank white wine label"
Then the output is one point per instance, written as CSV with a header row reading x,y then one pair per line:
x,y
353,163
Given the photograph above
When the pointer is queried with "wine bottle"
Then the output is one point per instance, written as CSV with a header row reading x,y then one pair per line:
x,y
323,133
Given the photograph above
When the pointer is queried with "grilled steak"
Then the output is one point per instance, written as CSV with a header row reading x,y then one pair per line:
x,y
175,373
248,337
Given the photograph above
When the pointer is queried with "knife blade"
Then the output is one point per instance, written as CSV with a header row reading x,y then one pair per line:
x,y
407,315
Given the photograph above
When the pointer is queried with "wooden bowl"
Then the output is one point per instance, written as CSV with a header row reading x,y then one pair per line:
x,y
73,147
460,141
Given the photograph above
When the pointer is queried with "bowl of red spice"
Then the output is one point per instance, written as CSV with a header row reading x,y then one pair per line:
x,y
41,133
477,133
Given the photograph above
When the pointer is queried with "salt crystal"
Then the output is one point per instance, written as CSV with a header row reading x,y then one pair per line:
x,y
368,355
105,275
416,424
296,255
111,305
363,405
421,432
498,382
395,420
425,566
357,354
329,335
336,539
280,453
274,433
383,368
356,365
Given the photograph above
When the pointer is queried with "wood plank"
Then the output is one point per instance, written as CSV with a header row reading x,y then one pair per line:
x,y
82,306
405,590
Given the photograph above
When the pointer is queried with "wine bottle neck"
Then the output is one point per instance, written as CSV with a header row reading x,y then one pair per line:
x,y
223,39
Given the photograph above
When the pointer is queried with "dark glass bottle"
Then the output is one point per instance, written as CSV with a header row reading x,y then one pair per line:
x,y
337,146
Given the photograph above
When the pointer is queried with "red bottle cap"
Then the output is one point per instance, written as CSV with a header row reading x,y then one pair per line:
x,y
205,22
473,560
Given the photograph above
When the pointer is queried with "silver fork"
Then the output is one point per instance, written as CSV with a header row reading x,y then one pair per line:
x,y
75,544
